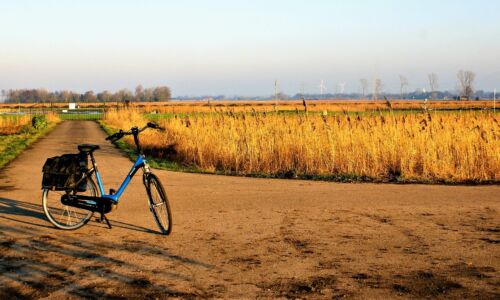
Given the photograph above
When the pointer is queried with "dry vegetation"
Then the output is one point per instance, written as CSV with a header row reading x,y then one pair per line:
x,y
12,124
431,146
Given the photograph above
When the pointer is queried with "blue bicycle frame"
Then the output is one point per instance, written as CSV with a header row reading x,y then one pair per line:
x,y
139,163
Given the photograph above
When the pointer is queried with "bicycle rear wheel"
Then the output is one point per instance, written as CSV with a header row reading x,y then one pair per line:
x,y
158,203
64,216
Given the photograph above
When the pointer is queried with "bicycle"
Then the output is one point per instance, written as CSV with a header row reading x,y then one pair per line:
x,y
71,209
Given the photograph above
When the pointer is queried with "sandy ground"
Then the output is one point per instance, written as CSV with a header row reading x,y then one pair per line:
x,y
248,238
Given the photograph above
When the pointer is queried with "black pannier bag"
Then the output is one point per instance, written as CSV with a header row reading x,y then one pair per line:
x,y
61,173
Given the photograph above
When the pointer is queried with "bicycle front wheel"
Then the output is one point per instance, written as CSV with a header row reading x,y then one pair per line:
x,y
158,203
64,216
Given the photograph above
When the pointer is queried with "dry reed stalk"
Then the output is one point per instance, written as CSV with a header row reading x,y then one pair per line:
x,y
407,146
13,124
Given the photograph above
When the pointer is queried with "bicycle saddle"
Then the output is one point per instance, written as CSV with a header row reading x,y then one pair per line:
x,y
87,148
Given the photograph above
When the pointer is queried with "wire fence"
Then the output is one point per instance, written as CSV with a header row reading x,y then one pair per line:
x,y
64,114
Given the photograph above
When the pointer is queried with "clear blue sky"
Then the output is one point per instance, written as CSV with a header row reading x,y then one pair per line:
x,y
240,47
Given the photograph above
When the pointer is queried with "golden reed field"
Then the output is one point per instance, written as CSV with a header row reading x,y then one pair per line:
x,y
426,146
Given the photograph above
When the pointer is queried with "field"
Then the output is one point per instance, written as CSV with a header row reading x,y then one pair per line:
x,y
389,145
176,107
339,140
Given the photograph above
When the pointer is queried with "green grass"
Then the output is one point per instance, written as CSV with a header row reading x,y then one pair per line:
x,y
12,145
62,116
69,116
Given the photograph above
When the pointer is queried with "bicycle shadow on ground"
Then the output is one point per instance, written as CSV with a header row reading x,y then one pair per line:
x,y
17,211
37,265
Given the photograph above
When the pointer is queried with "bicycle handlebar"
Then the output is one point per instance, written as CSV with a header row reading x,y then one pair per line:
x,y
133,131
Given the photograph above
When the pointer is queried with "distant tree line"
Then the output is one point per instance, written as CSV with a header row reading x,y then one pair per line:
x,y
160,93
465,90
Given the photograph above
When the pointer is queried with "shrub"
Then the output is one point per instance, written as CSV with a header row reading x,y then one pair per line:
x,y
39,122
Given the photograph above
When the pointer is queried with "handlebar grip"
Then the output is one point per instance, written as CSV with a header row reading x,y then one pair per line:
x,y
115,136
153,125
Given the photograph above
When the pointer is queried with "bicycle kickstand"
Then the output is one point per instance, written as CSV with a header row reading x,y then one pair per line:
x,y
104,218
107,222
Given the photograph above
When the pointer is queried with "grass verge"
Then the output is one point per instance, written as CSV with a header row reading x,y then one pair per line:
x,y
12,145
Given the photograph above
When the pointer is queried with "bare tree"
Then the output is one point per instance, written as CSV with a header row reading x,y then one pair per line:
x,y
404,83
161,93
104,96
123,95
139,93
377,88
433,83
466,83
364,86
65,96
148,94
89,96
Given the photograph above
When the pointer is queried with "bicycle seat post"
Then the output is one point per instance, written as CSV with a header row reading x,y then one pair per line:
x,y
92,159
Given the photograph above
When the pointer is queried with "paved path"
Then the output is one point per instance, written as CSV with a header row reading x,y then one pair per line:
x,y
245,238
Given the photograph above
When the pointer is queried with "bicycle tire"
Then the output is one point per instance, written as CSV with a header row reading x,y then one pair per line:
x,y
51,209
158,203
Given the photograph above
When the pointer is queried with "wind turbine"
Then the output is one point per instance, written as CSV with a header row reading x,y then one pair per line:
x,y
341,88
276,88
322,87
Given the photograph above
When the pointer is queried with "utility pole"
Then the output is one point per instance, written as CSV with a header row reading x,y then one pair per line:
x,y
494,99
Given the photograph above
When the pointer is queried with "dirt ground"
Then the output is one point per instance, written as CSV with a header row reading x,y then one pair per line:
x,y
248,238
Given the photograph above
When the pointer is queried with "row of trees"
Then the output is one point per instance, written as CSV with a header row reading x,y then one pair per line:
x,y
160,93
374,90
465,84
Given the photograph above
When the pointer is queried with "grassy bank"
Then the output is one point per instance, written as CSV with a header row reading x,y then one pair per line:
x,y
18,132
12,145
